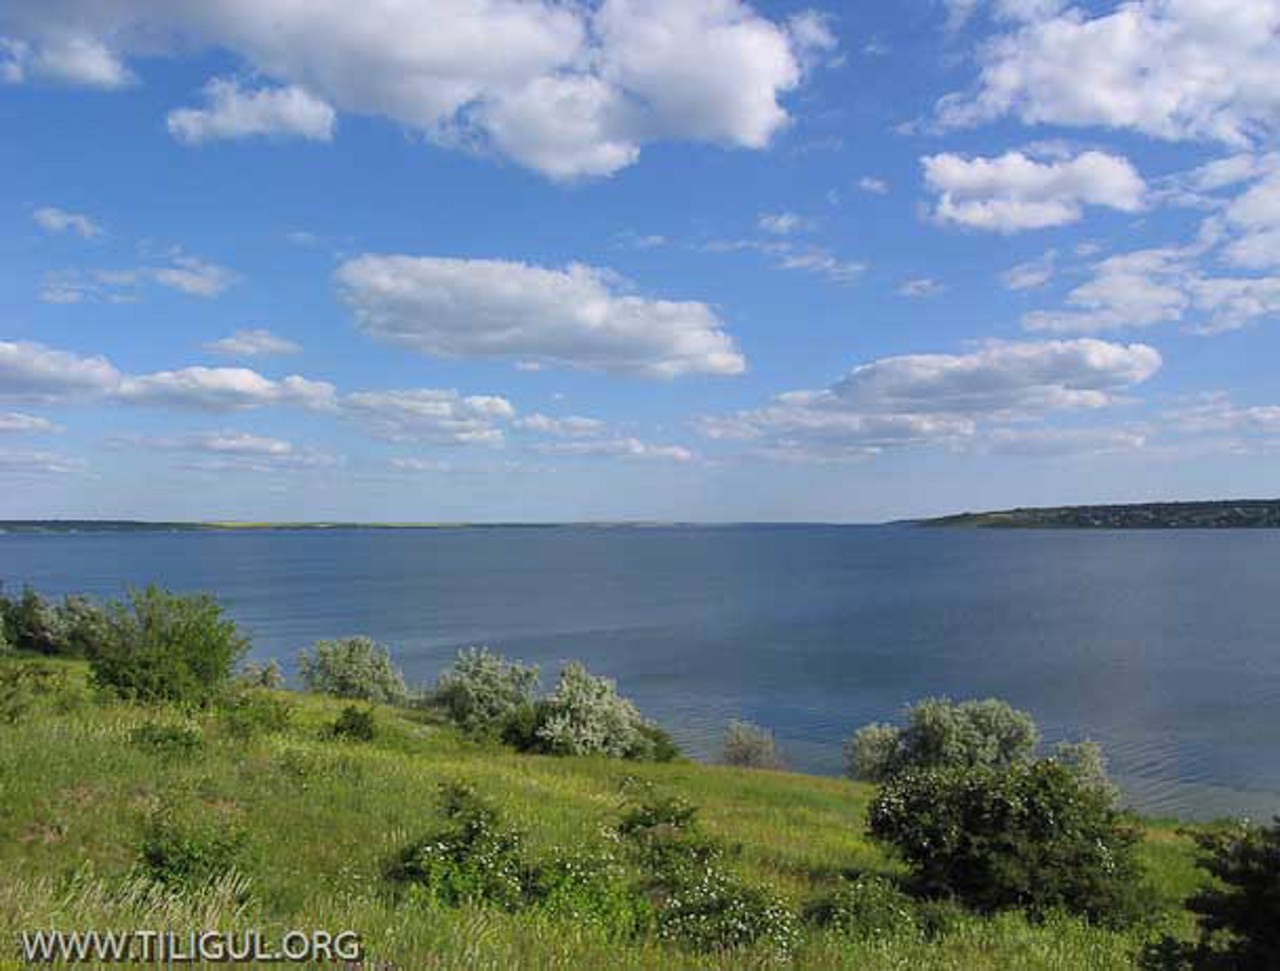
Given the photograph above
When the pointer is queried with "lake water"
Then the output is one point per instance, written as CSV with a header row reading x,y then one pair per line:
x,y
1163,646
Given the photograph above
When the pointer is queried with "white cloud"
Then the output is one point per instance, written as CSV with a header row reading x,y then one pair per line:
x,y
781,223
233,112
921,287
194,276
577,317
16,422
786,254
54,220
430,415
1063,441
1031,274
628,448
1173,69
223,389
877,187
34,372
939,398
233,451
1216,412
37,463
62,58
571,426
567,89
1015,192
252,343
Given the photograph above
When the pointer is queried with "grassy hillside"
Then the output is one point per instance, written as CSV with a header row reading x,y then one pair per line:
x,y
322,817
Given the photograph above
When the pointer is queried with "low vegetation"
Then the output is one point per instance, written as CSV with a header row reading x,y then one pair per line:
x,y
749,746
484,825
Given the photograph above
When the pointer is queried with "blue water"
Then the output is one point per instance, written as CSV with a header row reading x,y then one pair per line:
x,y
1163,646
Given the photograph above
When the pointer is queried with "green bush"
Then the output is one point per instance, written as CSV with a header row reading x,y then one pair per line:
x,y
866,908
591,889
162,646
485,694
1087,760
36,625
353,667
585,715
654,745
188,849
1239,914
697,902
750,747
471,859
1029,836
167,738
249,712
26,684
354,725
942,734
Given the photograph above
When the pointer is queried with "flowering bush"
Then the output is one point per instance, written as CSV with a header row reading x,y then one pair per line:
x,y
484,693
585,715
353,667
750,747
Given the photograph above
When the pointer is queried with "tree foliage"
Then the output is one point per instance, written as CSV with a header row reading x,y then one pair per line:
x,y
353,667
161,646
484,693
750,746
1027,835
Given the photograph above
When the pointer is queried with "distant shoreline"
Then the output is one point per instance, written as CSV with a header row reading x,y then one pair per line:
x,y
1215,514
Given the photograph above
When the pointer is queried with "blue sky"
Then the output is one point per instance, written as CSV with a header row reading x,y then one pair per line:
x,y
675,259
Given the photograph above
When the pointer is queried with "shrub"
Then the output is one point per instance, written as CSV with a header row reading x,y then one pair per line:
x,y
696,902
654,745
472,858
1087,760
255,675
866,908
353,667
24,685
6,645
750,746
168,739
166,647
354,725
942,734
589,889
248,712
190,850
585,715
1240,914
485,694
1029,836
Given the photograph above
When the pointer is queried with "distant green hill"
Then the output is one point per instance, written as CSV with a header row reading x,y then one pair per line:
x,y
1218,514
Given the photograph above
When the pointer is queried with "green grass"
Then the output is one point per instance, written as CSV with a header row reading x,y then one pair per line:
x,y
324,816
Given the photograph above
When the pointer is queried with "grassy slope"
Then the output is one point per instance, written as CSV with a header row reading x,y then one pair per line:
x,y
324,816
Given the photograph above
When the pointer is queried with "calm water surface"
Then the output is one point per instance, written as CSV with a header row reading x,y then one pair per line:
x,y
1164,646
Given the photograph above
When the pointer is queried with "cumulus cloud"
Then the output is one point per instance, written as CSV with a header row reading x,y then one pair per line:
x,y
62,58
223,389
1172,69
627,448
1015,192
571,426
231,450
939,398
233,112
1216,412
194,276
442,417
34,372
257,342
17,422
567,89
54,220
578,317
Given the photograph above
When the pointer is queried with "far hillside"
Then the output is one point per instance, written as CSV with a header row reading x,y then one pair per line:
x,y
1218,514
